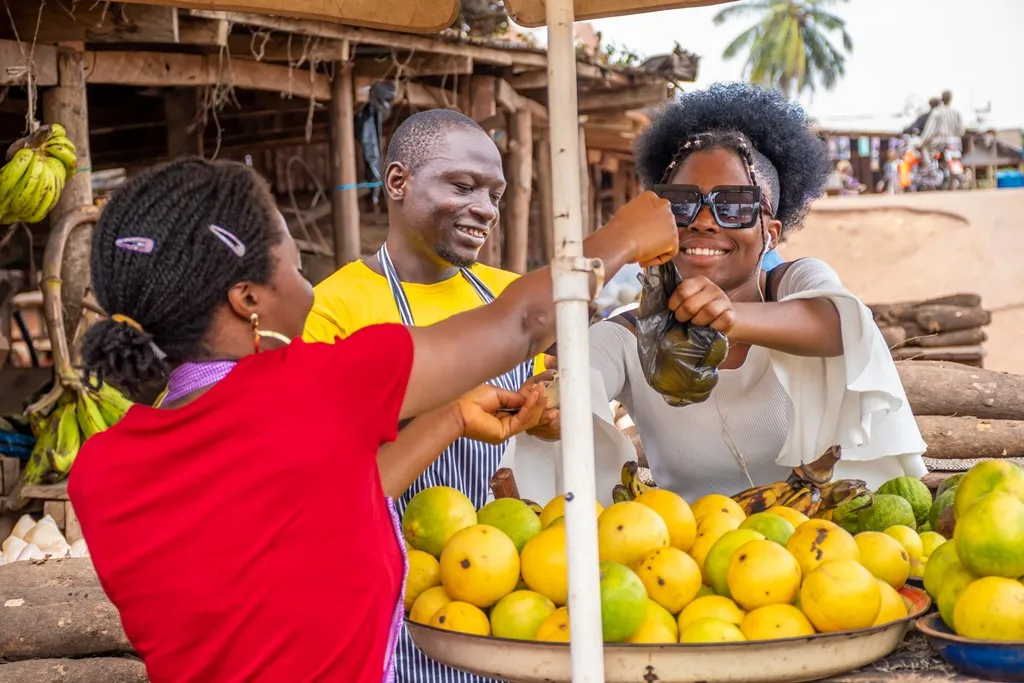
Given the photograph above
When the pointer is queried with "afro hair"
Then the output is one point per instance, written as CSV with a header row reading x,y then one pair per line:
x,y
776,126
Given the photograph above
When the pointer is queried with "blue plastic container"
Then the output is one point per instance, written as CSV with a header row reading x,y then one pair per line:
x,y
989,660
1009,179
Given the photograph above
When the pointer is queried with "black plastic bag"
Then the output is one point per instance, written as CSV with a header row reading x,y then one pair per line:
x,y
680,361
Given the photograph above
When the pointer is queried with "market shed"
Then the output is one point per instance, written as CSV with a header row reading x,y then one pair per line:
x,y
298,99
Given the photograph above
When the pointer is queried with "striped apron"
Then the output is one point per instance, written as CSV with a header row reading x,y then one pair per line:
x,y
466,465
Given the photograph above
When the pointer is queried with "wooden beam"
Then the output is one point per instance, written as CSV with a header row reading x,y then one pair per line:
x,y
162,70
584,184
639,97
344,197
294,49
610,140
415,66
416,94
180,109
537,110
68,105
366,36
585,73
478,98
519,171
44,59
542,152
505,96
94,22
197,31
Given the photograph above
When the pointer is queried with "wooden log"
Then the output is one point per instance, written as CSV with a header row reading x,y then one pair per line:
x,y
67,104
205,32
542,152
969,438
951,389
969,337
907,310
519,170
933,480
949,318
893,336
70,629
74,572
89,670
72,529
947,353
344,197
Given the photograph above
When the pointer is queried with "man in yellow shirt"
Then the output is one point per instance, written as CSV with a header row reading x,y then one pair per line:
x,y
443,179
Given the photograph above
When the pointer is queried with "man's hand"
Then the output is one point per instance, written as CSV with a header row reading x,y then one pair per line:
x,y
548,427
482,412
700,301
648,223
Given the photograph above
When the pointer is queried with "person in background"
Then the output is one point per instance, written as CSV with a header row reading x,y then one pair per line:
x,y
848,183
945,127
919,123
242,529
807,368
444,181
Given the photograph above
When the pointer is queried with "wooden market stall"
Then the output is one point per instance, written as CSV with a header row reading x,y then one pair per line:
x,y
285,95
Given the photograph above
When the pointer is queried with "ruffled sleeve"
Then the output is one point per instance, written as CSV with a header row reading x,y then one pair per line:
x,y
855,400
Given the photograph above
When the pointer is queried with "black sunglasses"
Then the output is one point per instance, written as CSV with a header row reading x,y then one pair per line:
x,y
732,206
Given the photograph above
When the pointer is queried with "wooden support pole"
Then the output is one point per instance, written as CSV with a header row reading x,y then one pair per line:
x,y
520,185
584,184
344,201
180,114
542,150
67,105
619,187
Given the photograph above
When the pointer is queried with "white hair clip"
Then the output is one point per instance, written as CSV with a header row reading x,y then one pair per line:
x,y
230,239
141,245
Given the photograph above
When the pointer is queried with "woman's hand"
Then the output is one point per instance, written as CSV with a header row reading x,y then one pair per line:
x,y
700,301
482,412
548,427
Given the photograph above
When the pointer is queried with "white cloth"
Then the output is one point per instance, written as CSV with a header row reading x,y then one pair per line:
x,y
764,418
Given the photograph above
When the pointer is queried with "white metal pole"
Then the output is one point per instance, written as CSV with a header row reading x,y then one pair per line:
x,y
572,295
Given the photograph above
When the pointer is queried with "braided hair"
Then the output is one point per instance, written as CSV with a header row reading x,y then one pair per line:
x,y
161,262
778,138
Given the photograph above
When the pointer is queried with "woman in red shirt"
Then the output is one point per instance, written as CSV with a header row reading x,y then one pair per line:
x,y
242,529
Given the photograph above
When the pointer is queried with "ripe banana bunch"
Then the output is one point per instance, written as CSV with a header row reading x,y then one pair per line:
x,y
35,175
635,481
808,489
80,413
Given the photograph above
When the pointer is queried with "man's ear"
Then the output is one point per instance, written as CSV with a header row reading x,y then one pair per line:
x,y
396,180
243,300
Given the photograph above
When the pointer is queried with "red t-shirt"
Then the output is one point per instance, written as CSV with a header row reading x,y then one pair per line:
x,y
246,536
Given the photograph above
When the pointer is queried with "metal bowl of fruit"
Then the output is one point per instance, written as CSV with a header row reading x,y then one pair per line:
x,y
784,660
989,660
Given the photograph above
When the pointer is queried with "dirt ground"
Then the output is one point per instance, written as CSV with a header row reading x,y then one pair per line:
x,y
917,246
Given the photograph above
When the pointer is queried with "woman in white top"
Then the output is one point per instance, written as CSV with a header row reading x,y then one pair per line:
x,y
807,368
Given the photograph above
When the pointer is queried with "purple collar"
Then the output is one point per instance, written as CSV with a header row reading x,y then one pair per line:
x,y
189,377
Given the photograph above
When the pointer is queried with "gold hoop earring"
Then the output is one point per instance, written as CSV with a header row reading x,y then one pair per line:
x,y
254,320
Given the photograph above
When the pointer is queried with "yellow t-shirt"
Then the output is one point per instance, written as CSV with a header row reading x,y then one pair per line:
x,y
356,297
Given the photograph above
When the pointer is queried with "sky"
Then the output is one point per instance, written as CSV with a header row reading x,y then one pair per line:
x,y
905,51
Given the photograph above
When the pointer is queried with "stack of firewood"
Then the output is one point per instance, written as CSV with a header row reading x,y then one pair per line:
x,y
965,414
57,625
948,328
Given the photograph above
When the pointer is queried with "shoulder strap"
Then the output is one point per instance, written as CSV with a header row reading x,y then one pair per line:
x,y
626,319
773,280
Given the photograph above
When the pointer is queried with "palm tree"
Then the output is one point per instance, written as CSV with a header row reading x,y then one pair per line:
x,y
789,46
